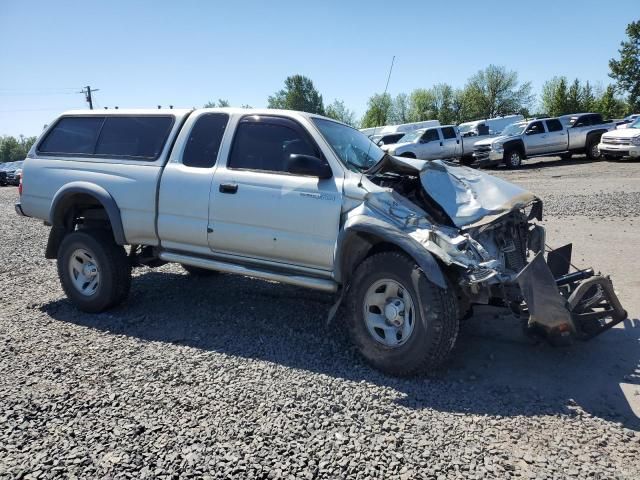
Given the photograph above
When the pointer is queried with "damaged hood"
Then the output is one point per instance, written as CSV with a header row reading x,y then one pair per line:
x,y
468,196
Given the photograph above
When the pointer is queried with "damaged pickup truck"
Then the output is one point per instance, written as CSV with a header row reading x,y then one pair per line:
x,y
408,245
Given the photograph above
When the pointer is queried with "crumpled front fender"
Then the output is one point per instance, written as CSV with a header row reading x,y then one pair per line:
x,y
379,228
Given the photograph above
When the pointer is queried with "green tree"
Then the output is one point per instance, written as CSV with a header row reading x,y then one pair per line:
x,y
610,106
221,103
421,105
298,93
496,91
338,111
378,111
626,70
574,97
460,106
442,94
13,149
588,98
400,109
554,96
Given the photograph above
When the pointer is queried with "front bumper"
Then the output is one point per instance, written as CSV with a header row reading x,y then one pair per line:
x,y
566,305
622,150
484,158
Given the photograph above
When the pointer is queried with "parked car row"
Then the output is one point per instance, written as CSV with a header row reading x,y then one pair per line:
x,y
563,136
10,173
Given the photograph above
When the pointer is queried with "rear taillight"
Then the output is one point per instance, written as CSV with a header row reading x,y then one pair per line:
x,y
20,185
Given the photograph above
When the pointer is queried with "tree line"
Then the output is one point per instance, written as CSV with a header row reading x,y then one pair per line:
x,y
494,91
13,149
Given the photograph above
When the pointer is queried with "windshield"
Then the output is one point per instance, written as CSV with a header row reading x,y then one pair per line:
x,y
464,128
635,124
353,148
411,136
514,129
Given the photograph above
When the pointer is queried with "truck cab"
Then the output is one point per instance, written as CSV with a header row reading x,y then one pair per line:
x,y
428,144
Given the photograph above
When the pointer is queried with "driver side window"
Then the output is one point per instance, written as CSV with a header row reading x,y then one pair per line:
x,y
535,128
430,136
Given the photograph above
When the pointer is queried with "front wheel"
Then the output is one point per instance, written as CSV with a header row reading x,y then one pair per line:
x,y
512,159
592,150
94,271
400,322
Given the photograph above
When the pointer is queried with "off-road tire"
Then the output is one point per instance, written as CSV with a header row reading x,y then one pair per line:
x,y
513,158
113,265
199,272
436,324
589,149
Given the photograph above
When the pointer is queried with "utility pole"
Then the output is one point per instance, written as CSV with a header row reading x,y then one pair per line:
x,y
87,95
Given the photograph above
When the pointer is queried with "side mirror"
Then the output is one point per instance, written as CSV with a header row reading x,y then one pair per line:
x,y
309,166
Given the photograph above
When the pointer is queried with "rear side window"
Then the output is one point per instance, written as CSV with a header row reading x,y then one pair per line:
x,y
267,144
131,137
137,137
73,135
448,133
554,125
204,140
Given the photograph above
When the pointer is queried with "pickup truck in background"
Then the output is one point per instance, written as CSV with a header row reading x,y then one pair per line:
x,y
622,142
301,199
543,137
487,126
442,142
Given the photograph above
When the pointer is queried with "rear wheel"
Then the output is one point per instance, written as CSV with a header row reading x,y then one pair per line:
x,y
592,150
512,158
94,271
199,272
401,323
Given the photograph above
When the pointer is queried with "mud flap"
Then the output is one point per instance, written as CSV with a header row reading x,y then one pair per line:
x,y
548,310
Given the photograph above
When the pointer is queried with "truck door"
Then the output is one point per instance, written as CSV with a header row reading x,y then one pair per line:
x,y
259,210
451,146
430,145
556,135
536,139
183,202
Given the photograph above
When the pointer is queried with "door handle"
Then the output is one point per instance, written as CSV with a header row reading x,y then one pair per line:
x,y
228,187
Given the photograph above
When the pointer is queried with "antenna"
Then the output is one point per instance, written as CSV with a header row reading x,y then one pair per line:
x,y
374,128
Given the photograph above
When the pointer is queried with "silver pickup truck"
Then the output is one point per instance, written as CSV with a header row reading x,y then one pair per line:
x,y
439,142
301,199
564,136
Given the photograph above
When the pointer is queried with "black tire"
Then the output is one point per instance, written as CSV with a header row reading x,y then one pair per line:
x,y
112,264
407,155
513,158
199,272
591,147
566,156
435,326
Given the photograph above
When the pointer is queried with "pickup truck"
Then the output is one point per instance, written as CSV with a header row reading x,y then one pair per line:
x,y
562,136
301,199
441,142
622,142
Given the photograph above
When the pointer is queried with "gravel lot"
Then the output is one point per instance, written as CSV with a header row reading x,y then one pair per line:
x,y
230,377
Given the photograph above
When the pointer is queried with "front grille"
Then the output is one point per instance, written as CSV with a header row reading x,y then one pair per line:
x,y
515,251
616,141
481,152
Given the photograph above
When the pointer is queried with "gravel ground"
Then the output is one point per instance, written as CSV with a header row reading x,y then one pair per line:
x,y
230,377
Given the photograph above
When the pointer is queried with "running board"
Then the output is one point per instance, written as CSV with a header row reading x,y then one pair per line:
x,y
299,280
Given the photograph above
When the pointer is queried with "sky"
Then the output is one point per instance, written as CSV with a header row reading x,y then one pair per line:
x,y
185,53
